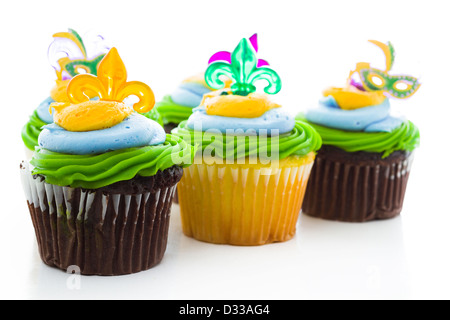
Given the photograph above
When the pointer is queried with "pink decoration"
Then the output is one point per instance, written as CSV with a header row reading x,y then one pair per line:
x,y
262,63
220,56
226,56
254,41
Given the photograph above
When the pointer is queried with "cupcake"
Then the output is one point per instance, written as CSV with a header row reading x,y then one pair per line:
x,y
178,106
248,178
362,169
69,56
99,186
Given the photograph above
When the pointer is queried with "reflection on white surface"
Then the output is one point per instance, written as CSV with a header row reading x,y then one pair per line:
x,y
353,260
326,259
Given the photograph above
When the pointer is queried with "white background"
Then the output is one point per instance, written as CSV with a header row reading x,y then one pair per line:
x,y
312,44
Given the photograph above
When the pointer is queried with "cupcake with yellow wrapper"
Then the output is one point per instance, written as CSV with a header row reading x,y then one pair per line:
x,y
362,169
100,184
249,175
69,55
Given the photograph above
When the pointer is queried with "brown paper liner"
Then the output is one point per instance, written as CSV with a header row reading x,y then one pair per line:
x,y
168,128
357,187
100,231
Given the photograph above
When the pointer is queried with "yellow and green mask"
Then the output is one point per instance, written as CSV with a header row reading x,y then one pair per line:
x,y
372,79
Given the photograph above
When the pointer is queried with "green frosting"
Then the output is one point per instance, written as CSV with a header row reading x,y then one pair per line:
x,y
172,112
155,116
406,137
31,130
302,140
96,171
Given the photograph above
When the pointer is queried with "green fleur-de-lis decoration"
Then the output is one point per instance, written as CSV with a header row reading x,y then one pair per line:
x,y
243,71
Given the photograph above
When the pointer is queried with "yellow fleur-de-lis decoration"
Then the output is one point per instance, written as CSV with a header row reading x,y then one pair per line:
x,y
110,84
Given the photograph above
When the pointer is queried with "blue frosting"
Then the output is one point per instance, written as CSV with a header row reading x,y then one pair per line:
x,y
275,119
189,94
386,125
367,119
42,110
135,131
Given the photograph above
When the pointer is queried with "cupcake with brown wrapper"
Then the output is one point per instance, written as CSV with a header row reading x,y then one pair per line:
x,y
100,185
362,169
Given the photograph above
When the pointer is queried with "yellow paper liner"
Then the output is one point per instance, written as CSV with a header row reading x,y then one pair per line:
x,y
242,204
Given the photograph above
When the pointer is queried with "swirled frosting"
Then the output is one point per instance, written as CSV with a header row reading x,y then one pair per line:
x,y
300,141
178,106
275,121
405,137
43,110
172,112
374,118
155,116
189,94
96,171
31,131
134,131
41,116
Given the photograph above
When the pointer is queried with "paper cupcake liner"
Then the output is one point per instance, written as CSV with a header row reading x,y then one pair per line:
x,y
100,232
175,196
28,153
357,188
168,128
242,204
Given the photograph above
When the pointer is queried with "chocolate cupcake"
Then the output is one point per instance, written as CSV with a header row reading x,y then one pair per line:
x,y
362,169
100,185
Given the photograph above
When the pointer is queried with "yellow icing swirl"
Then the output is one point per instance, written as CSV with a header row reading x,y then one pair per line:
x,y
350,97
59,91
224,103
90,115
